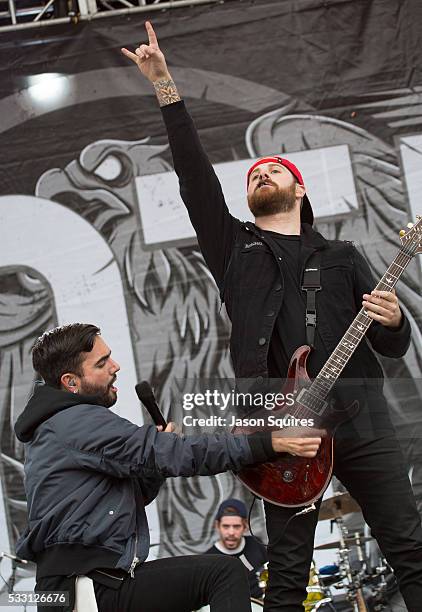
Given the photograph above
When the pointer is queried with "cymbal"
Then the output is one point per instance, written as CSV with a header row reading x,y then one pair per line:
x,y
337,505
350,541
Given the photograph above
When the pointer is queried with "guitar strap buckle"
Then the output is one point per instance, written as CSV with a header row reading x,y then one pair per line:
x,y
311,319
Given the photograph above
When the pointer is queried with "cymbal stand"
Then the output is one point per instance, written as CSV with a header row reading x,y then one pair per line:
x,y
354,582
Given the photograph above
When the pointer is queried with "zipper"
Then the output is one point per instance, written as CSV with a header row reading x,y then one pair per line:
x,y
109,575
135,560
132,567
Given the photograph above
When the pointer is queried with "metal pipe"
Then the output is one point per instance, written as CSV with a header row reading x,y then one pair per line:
x,y
136,9
46,7
34,24
12,11
87,7
155,7
23,12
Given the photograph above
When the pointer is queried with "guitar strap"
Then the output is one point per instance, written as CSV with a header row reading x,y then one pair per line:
x,y
311,283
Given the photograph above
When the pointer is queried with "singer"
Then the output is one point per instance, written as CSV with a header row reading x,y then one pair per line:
x,y
90,473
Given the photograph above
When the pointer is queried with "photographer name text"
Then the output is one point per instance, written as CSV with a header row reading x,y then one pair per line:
x,y
270,421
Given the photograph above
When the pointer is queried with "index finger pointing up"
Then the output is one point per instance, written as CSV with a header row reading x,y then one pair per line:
x,y
152,38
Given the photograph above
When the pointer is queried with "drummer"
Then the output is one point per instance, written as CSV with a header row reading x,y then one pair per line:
x,y
231,526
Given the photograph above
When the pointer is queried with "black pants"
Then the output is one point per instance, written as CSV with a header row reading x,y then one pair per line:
x,y
369,462
180,584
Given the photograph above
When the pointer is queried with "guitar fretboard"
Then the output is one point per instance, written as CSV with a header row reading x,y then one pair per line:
x,y
323,383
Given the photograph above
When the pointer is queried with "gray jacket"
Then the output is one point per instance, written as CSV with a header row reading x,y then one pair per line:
x,y
89,474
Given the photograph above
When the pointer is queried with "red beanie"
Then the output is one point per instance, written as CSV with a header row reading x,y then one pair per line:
x,y
306,214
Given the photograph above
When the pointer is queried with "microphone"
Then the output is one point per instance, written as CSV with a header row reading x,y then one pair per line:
x,y
146,396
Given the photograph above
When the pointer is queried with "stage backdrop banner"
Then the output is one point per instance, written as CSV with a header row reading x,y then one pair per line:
x,y
92,227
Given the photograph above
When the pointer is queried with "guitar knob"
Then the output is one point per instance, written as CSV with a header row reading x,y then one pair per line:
x,y
410,225
288,476
402,233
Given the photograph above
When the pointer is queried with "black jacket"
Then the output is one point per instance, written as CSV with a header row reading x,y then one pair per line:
x,y
89,474
249,276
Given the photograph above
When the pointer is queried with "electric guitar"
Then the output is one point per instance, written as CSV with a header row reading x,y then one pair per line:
x,y
298,481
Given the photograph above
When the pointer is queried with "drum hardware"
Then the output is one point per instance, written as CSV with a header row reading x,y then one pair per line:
x,y
317,592
335,508
349,541
337,505
367,588
352,579
332,576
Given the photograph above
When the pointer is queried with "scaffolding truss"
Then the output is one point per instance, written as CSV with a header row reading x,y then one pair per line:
x,y
23,14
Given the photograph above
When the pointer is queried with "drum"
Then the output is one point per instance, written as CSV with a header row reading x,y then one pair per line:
x,y
256,606
329,574
316,597
315,591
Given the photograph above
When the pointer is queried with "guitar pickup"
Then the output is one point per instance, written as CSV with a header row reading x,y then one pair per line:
x,y
312,402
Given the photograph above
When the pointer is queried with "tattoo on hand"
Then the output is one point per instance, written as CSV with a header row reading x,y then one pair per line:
x,y
166,92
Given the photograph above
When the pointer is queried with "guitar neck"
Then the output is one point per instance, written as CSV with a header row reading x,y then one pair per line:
x,y
333,367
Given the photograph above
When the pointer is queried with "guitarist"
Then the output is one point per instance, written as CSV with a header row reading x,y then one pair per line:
x,y
258,268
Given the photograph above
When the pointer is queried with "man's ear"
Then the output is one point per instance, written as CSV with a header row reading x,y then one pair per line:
x,y
300,190
70,382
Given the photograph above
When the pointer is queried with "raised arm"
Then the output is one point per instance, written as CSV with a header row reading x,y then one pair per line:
x,y
199,186
152,63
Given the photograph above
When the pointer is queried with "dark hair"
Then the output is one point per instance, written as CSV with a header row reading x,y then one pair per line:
x,y
60,350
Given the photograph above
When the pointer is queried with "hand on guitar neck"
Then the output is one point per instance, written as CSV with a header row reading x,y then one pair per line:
x,y
383,306
297,441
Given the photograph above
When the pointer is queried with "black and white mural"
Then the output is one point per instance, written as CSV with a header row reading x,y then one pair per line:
x,y
92,227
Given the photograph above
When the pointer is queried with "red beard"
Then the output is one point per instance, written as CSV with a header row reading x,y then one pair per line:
x,y
264,202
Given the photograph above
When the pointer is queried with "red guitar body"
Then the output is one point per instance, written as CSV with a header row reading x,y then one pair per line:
x,y
295,481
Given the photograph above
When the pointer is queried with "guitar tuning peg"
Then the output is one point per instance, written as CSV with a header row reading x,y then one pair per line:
x,y
418,217
410,225
402,233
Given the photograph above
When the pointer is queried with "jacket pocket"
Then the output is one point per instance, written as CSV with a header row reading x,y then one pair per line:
x,y
337,281
255,268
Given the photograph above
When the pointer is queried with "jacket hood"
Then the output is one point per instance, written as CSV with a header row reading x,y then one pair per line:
x,y
44,403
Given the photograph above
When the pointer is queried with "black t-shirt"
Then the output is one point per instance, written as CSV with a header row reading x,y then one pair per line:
x,y
290,327
253,556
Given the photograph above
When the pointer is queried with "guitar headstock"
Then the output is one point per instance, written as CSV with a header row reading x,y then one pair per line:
x,y
412,237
